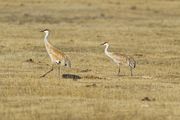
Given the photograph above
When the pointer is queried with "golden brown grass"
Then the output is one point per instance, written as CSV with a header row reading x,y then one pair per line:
x,y
147,30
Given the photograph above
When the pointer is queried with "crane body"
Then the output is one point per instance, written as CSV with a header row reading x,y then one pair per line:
x,y
57,57
120,59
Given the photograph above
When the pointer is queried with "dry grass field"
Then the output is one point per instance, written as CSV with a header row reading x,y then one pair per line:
x,y
149,30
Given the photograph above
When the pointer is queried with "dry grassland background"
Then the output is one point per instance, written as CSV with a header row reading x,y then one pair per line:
x,y
149,30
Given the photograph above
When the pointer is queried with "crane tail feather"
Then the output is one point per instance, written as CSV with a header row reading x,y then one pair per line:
x,y
132,63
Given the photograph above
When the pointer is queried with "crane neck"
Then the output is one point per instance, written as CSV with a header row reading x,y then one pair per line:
x,y
46,36
106,49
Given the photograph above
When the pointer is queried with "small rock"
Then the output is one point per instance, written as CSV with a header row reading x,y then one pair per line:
x,y
29,60
148,99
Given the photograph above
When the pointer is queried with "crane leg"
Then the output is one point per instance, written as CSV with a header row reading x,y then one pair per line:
x,y
59,72
119,70
47,72
131,71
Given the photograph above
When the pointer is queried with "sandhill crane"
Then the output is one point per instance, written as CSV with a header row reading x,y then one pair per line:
x,y
120,59
57,57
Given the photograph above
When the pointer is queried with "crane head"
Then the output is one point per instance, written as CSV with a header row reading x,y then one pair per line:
x,y
105,43
45,30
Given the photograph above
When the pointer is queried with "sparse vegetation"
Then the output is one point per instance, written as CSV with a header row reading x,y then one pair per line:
x,y
147,30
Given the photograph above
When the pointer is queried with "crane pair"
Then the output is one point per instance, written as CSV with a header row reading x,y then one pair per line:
x,y
61,59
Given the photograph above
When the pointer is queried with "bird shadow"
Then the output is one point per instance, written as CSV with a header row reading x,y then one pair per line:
x,y
71,76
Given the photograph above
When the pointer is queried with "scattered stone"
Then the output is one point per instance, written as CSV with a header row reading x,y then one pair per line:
x,y
30,60
148,99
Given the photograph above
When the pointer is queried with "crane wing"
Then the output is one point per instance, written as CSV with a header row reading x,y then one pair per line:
x,y
57,55
121,58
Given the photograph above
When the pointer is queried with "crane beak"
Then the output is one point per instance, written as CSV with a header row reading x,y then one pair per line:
x,y
41,30
102,44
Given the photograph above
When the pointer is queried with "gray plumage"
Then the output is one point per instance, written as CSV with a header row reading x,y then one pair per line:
x,y
120,59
